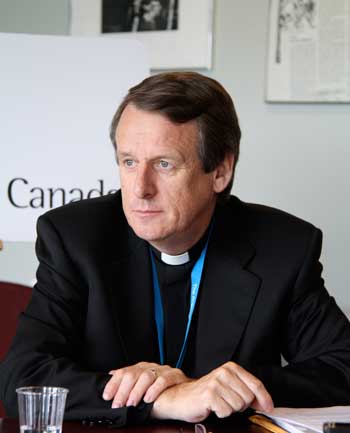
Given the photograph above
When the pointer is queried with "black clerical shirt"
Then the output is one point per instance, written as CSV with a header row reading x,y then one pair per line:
x,y
175,287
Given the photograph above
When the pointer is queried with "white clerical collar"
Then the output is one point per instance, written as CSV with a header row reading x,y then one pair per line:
x,y
179,259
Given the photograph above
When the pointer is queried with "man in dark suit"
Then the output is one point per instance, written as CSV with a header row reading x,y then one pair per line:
x,y
173,299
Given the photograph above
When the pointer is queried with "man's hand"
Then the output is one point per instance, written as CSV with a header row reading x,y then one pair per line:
x,y
146,380
225,390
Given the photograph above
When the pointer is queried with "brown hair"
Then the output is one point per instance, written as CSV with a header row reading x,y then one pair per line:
x,y
184,96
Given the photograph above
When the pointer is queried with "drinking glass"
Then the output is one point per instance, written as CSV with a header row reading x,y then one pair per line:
x,y
41,409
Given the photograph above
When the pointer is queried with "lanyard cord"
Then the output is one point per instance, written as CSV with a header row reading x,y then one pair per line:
x,y
196,276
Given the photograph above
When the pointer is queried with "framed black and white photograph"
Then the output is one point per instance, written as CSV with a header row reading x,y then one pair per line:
x,y
139,15
177,33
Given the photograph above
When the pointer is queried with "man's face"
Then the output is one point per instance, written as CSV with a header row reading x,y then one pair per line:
x,y
167,198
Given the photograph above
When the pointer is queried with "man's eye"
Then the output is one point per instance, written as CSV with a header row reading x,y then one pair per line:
x,y
164,164
129,162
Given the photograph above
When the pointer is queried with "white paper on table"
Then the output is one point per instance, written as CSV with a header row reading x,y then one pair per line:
x,y
304,420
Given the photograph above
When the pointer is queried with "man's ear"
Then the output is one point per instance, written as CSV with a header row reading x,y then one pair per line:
x,y
223,173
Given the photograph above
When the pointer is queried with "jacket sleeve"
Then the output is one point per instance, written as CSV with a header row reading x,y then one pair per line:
x,y
316,343
49,343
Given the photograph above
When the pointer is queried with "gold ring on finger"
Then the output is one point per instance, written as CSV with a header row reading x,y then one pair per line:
x,y
154,372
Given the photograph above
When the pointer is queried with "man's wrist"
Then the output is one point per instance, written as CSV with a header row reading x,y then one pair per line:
x,y
160,406
169,404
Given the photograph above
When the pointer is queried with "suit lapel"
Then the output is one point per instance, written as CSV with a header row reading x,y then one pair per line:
x,y
227,295
132,300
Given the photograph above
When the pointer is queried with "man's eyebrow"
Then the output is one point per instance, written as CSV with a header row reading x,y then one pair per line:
x,y
123,153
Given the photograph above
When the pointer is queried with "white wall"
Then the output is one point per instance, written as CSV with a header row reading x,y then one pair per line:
x,y
294,157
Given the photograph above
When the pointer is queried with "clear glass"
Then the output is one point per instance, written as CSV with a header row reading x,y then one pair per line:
x,y
41,409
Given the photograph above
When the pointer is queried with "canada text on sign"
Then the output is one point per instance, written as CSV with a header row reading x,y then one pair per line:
x,y
21,194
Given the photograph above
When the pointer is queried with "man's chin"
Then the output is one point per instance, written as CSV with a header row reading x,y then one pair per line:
x,y
149,235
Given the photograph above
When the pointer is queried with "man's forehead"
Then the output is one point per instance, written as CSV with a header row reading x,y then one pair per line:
x,y
140,125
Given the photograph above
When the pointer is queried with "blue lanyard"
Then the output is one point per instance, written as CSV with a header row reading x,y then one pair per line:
x,y
196,276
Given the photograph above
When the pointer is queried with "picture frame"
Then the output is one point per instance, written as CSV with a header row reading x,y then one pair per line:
x,y
188,47
308,52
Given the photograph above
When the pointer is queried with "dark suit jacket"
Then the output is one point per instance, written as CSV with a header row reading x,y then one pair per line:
x,y
261,296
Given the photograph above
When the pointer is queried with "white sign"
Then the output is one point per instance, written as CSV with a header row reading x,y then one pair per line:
x,y
58,96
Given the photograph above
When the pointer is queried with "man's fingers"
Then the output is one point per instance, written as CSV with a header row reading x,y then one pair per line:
x,y
166,377
141,386
154,391
263,400
228,386
126,385
236,393
112,386
221,408
129,385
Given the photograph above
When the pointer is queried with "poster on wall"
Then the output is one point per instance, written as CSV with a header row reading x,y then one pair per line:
x,y
309,51
177,33
58,96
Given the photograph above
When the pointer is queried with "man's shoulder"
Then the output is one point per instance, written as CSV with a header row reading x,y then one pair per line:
x,y
87,224
262,221
88,211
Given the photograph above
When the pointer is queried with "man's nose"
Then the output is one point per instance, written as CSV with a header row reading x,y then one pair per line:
x,y
144,186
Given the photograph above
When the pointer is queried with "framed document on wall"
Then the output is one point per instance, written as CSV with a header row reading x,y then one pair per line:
x,y
308,51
